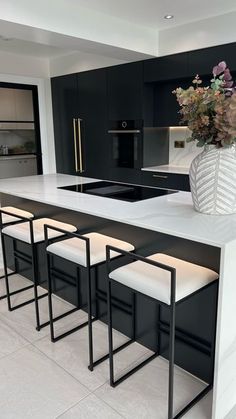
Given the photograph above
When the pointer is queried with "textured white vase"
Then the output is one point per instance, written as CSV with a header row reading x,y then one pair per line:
x,y
213,180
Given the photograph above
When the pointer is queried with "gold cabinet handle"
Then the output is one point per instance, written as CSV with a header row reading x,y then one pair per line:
x,y
80,146
75,146
160,176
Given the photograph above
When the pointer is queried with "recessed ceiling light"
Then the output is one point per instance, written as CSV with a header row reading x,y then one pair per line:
x,y
168,16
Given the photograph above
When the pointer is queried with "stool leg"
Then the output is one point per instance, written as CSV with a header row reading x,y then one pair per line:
x,y
90,330
35,279
50,298
134,317
171,361
5,272
96,287
110,336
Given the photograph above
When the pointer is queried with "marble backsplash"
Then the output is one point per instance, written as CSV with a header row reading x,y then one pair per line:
x,y
181,156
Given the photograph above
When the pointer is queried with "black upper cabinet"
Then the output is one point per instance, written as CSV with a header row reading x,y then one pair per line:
x,y
125,91
202,61
169,67
166,107
64,101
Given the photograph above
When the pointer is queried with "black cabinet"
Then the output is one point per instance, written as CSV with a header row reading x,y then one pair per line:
x,y
166,107
92,110
80,118
165,180
64,101
169,67
125,91
202,61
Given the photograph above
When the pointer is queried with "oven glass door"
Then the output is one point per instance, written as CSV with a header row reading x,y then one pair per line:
x,y
125,149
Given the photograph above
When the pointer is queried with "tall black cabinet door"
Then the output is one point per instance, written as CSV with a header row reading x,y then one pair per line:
x,y
65,105
125,91
92,109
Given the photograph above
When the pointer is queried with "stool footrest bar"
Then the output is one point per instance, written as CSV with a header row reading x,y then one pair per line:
x,y
28,302
69,332
103,358
133,370
193,402
11,273
17,291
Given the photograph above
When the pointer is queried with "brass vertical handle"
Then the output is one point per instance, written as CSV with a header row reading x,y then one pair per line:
x,y
75,146
80,146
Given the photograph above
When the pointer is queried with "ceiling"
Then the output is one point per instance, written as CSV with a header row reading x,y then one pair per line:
x,y
20,39
19,46
150,13
14,39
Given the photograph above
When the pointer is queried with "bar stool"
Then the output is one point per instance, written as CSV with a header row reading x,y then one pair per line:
x,y
85,251
170,281
30,232
7,218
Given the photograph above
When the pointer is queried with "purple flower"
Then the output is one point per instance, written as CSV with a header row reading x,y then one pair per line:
x,y
228,84
220,68
227,75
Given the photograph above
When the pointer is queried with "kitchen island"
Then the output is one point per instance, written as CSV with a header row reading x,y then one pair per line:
x,y
166,222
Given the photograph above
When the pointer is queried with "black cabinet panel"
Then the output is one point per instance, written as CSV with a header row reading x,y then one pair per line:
x,y
166,68
166,107
64,101
92,109
125,91
202,61
81,96
165,180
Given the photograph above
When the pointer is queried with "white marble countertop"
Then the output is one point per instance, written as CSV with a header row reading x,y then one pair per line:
x,y
168,168
170,214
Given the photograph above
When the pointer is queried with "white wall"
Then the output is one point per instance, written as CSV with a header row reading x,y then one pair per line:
x,y
77,62
30,70
201,34
23,65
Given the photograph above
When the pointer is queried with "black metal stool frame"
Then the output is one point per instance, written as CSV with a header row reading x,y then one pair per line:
x,y
15,270
172,308
33,260
91,319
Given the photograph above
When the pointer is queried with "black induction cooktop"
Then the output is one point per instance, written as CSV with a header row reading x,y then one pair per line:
x,y
121,191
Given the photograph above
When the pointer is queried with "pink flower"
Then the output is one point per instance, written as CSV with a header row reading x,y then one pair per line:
x,y
218,69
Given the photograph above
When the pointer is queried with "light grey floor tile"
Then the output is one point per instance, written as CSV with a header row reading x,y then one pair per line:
x,y
72,354
23,319
144,395
10,341
32,386
91,408
201,410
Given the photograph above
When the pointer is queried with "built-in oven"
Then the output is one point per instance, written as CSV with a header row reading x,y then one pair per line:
x,y
126,139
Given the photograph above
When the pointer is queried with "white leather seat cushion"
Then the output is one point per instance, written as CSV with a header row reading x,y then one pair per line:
x,y
156,282
75,249
16,211
22,231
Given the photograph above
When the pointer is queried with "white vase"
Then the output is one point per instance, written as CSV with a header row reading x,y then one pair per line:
x,y
213,180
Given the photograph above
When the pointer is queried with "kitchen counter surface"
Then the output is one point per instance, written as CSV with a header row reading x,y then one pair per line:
x,y
171,214
168,168
17,156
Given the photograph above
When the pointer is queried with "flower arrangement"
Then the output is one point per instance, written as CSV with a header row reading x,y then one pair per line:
x,y
210,112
